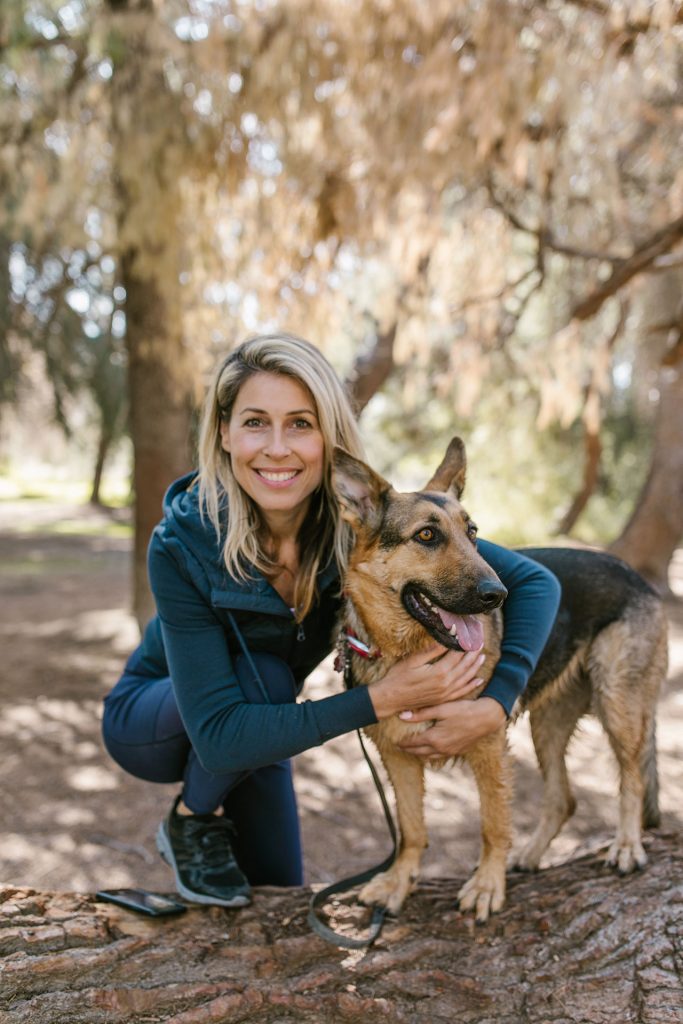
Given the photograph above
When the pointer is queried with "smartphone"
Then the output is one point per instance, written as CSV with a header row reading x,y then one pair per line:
x,y
142,901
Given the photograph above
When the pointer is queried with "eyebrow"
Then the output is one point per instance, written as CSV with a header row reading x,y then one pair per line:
x,y
436,499
264,412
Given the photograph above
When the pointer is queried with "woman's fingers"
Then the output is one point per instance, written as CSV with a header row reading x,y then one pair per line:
x,y
422,714
429,677
458,725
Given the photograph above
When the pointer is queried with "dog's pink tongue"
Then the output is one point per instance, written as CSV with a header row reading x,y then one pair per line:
x,y
468,627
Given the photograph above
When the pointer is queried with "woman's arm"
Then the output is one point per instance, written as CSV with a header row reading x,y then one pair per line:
x,y
228,733
528,616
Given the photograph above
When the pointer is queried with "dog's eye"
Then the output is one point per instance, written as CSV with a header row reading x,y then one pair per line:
x,y
425,536
472,531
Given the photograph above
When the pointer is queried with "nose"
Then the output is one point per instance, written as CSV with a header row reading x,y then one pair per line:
x,y
277,447
492,593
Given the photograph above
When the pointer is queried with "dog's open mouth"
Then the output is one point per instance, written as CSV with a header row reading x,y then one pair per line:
x,y
459,632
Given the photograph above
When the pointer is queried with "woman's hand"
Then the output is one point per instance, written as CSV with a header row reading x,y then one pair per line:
x,y
430,677
457,727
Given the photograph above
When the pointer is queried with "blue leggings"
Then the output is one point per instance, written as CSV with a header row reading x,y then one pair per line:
x,y
144,733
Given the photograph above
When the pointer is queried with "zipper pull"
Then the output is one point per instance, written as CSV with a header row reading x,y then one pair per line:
x,y
300,635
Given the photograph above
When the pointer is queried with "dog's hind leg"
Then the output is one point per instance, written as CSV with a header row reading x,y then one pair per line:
x,y
390,888
552,726
485,891
626,671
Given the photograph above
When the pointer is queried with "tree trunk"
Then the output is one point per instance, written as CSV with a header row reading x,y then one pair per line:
x,y
160,413
149,148
655,528
575,944
591,469
370,372
103,446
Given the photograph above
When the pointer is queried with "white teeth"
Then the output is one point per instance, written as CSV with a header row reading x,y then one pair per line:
x,y
426,600
453,631
277,477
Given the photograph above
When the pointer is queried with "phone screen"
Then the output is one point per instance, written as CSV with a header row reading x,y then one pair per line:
x,y
142,901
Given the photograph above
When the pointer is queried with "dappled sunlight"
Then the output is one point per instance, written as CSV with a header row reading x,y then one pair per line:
x,y
92,778
50,856
74,820
325,775
114,625
48,719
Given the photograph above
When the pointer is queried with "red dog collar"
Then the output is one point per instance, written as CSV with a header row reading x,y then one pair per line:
x,y
353,643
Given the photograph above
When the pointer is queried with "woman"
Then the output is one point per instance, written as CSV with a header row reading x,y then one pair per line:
x,y
245,568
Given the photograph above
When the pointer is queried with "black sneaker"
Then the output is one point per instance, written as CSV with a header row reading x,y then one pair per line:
x,y
197,847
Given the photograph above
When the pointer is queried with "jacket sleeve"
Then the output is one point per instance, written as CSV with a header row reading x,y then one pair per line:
x,y
228,733
528,616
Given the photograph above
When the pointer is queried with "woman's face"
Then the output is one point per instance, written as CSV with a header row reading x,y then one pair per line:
x,y
275,443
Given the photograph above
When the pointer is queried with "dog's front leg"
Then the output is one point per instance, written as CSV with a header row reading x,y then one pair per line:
x,y
485,891
390,889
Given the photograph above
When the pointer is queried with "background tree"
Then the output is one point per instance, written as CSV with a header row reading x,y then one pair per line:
x,y
448,200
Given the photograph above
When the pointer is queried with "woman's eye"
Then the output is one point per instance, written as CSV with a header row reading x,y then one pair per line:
x,y
425,536
301,424
253,421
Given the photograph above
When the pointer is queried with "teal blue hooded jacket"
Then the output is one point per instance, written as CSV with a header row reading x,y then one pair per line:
x,y
191,640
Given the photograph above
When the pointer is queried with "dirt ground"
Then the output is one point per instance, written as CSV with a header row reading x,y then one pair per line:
x,y
72,820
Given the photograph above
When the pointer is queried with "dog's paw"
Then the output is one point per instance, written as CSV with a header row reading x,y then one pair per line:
x,y
525,859
484,893
388,890
626,856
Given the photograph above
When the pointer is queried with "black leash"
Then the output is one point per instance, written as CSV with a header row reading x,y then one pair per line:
x,y
320,898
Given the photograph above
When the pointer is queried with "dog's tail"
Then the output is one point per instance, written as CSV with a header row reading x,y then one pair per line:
x,y
648,767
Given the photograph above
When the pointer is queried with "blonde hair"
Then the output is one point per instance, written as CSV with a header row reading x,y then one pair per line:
x,y
229,508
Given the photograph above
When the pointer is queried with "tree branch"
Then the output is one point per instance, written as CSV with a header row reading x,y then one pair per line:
x,y
545,238
371,371
642,258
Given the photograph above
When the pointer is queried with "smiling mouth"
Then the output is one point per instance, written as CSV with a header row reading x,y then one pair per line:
x,y
459,632
280,476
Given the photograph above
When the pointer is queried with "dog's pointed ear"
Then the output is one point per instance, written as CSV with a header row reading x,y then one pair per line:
x,y
450,476
358,488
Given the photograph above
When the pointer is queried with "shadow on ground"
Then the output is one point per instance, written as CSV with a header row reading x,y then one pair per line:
x,y
72,820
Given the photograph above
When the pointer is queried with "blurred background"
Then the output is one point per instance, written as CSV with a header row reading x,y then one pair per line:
x,y
475,209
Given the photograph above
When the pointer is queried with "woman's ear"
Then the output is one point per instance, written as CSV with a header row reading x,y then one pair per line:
x,y
225,435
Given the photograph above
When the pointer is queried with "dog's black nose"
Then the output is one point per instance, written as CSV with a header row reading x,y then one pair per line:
x,y
492,593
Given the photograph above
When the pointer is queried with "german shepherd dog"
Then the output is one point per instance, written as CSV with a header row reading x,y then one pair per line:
x,y
607,654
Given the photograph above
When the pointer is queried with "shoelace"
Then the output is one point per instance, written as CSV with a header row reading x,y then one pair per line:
x,y
214,838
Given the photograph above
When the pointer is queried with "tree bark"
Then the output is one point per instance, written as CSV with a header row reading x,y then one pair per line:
x,y
591,470
371,371
575,944
161,403
654,530
103,446
655,527
149,147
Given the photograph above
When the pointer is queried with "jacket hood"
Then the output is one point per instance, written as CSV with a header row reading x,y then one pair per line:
x,y
182,522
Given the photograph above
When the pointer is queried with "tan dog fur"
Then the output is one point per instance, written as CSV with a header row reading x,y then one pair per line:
x,y
616,676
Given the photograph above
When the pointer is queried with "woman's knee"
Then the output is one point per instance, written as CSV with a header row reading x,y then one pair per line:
x,y
142,730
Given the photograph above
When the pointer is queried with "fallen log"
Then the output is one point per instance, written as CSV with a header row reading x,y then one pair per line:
x,y
576,944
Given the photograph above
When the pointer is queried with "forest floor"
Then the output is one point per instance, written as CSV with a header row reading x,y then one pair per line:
x,y
72,820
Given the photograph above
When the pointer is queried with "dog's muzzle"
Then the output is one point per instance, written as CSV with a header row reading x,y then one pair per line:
x,y
460,629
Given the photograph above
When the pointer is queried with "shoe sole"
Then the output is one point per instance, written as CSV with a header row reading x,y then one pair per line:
x,y
164,848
